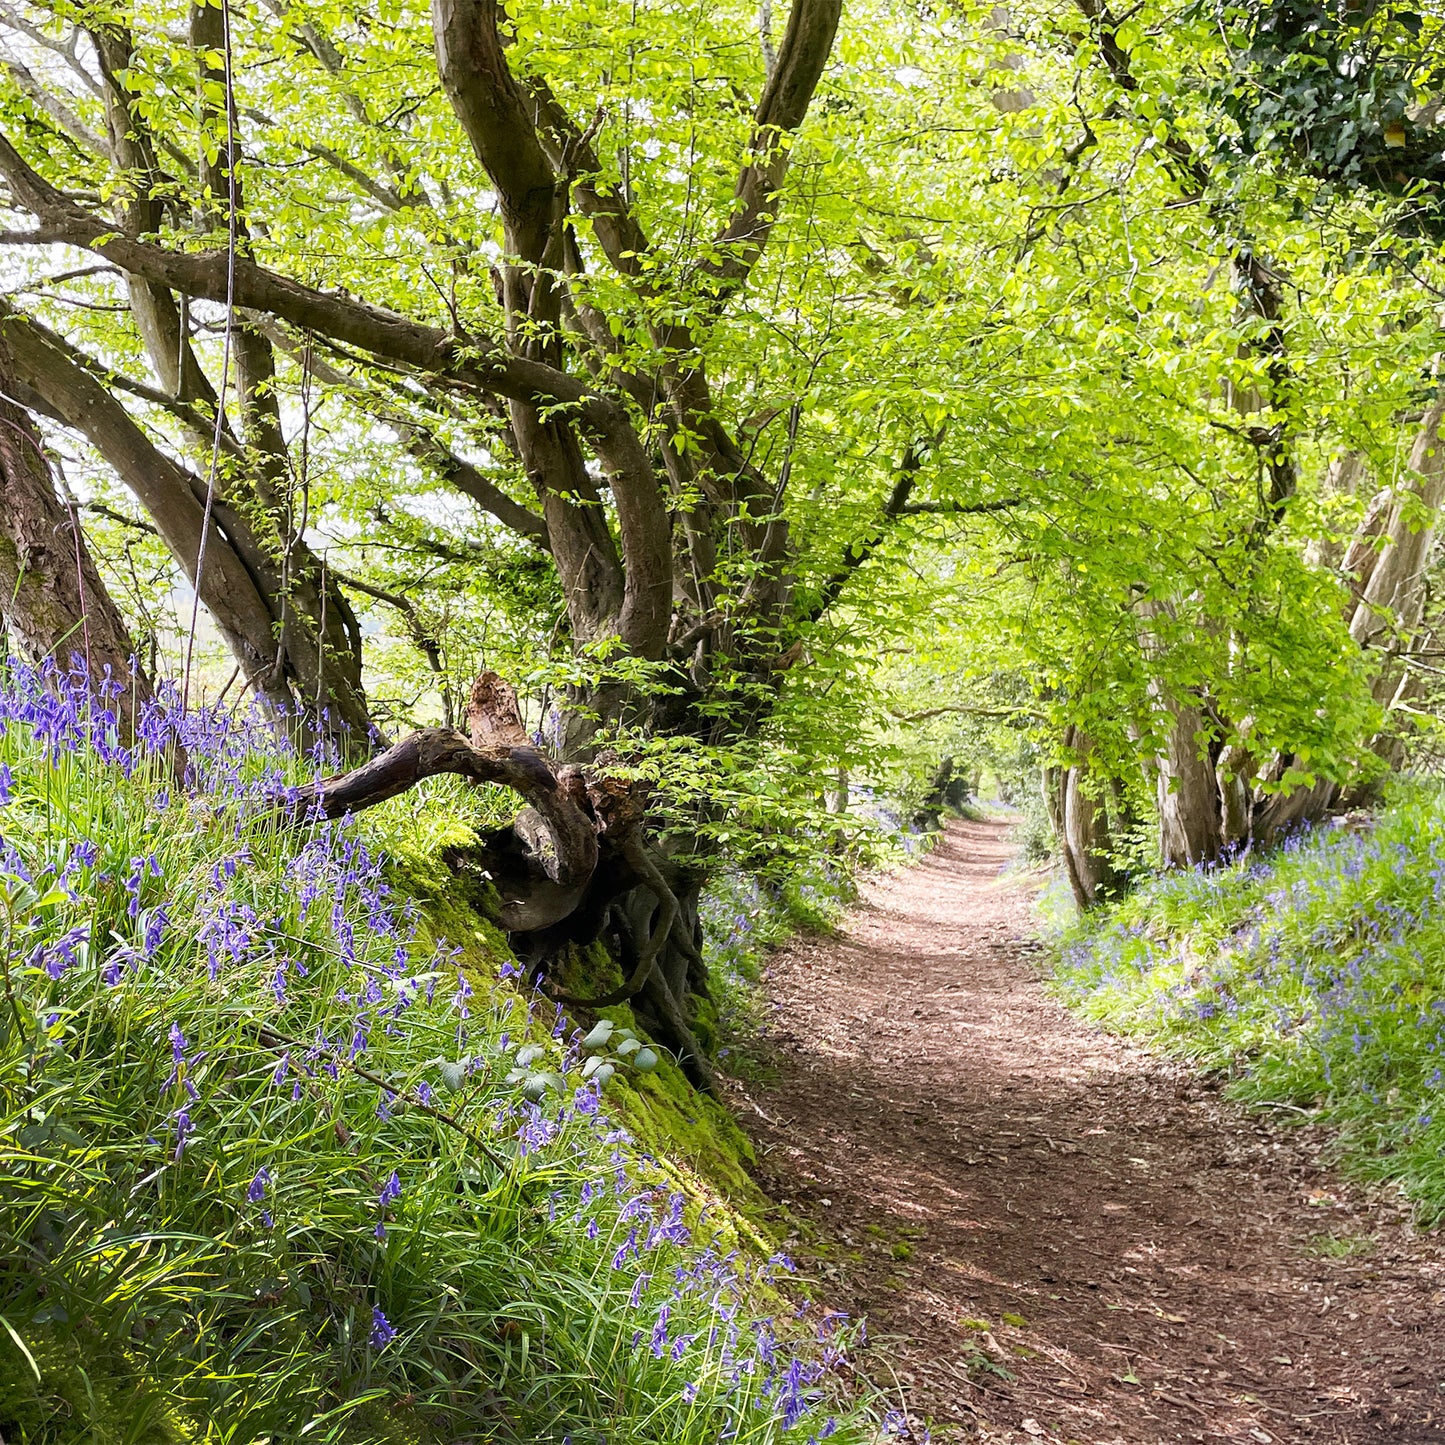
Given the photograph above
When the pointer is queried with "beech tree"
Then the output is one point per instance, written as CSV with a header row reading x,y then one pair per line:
x,y
534,346
55,606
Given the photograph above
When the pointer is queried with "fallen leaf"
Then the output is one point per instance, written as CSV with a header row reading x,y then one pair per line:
x,y
1032,1426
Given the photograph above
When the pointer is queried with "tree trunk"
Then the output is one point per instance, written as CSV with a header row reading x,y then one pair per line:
x,y
270,611
1392,597
1190,819
1081,824
52,598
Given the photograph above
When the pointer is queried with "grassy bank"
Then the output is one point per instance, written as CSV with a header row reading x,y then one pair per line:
x,y
285,1153
1314,977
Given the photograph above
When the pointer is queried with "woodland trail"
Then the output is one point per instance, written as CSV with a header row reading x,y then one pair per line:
x,y
1153,1263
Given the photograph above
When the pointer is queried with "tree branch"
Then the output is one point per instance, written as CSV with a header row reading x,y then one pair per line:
x,y
425,642
956,509
497,119
470,361
992,714
171,495
807,43
496,753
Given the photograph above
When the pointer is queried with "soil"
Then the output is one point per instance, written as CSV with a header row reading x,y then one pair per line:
x,y
1053,1235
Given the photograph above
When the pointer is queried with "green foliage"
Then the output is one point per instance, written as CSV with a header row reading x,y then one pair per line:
x,y
268,1162
994,277
1348,95
1312,976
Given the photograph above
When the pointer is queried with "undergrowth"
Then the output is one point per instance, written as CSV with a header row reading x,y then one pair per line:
x,y
1315,976
275,1160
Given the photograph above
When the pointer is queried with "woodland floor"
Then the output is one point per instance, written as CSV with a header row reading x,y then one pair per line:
x,y
1152,1263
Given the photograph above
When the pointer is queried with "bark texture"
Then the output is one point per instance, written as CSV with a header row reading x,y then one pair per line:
x,y
54,603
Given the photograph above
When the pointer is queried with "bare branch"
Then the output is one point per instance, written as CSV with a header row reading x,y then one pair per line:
x,y
990,714
956,509
420,634
170,494
52,105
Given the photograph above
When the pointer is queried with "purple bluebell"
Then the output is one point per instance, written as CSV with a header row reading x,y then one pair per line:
x,y
184,1130
382,1330
154,931
659,1341
628,1246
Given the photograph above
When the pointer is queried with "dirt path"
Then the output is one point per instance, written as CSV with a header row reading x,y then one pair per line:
x,y
1058,1237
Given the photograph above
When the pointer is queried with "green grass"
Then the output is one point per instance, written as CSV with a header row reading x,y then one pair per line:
x,y
1313,977
267,1170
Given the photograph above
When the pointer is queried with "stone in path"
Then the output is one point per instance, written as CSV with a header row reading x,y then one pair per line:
x,y
1054,1236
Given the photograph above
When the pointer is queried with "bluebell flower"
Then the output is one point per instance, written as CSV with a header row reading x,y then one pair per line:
x,y
154,931
658,1342
463,993
184,1130
627,1247
257,1190
382,1330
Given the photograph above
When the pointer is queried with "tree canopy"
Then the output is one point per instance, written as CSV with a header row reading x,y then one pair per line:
x,y
768,396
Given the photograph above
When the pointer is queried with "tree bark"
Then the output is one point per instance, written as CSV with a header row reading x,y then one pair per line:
x,y
1081,823
1190,822
53,600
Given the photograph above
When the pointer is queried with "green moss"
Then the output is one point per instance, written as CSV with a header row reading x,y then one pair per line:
x,y
672,1119
456,904
86,1390
695,1136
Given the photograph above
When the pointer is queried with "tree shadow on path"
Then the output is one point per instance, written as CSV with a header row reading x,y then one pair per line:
x,y
1054,1235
